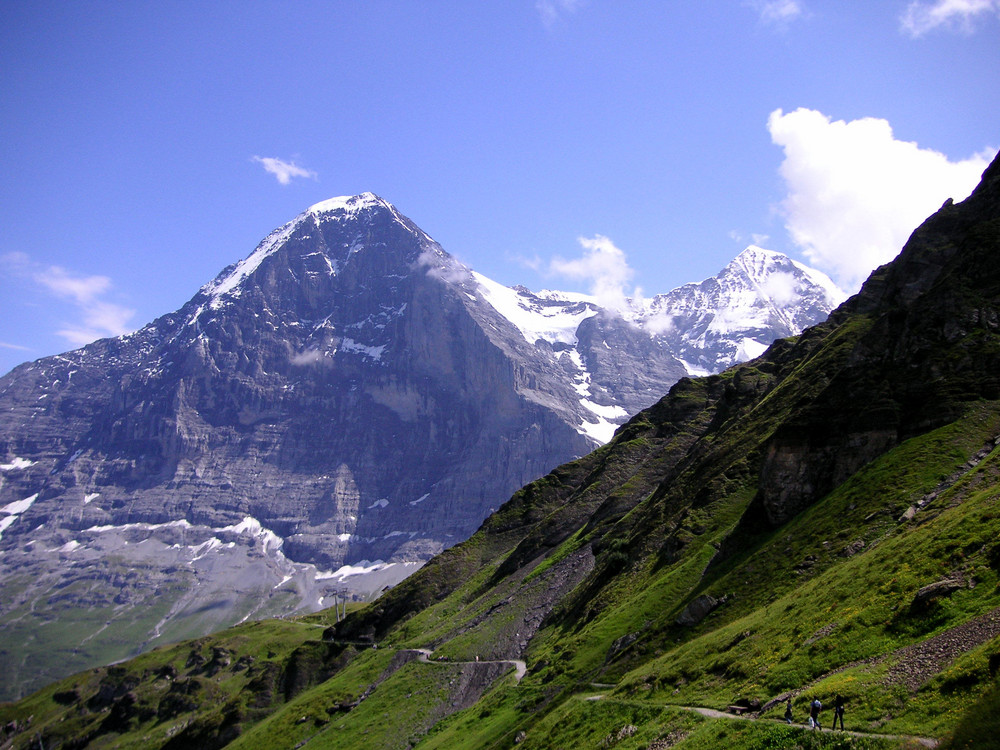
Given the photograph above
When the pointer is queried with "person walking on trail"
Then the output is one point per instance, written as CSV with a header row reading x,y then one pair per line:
x,y
814,709
788,711
838,711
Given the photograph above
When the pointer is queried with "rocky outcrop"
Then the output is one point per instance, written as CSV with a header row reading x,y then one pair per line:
x,y
698,610
915,364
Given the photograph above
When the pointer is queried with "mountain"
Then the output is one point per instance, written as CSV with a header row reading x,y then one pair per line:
x,y
339,406
759,297
819,521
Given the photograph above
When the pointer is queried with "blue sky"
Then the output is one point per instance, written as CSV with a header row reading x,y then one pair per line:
x,y
147,145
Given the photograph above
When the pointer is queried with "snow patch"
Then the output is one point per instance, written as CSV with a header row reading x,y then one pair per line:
x,y
694,370
5,522
205,548
602,430
182,523
17,463
555,323
229,284
351,204
363,567
252,527
19,506
14,511
750,349
381,503
605,412
373,352
420,499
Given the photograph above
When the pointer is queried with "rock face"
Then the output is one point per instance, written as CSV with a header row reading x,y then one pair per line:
x,y
347,393
890,389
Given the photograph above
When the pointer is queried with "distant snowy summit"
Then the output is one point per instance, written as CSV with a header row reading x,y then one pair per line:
x,y
734,316
709,325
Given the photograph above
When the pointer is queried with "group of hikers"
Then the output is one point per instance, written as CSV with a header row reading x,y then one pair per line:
x,y
814,708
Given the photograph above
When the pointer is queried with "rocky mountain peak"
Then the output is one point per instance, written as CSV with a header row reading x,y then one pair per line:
x,y
754,256
777,277
349,204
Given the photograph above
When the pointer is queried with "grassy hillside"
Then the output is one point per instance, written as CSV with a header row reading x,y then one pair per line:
x,y
822,521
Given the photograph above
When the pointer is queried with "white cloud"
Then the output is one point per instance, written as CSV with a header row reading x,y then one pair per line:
x,y
603,267
855,193
81,289
781,287
760,240
284,171
306,357
661,322
98,318
443,268
94,317
957,15
777,12
551,11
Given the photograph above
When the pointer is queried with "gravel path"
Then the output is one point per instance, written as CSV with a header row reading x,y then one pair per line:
x,y
714,714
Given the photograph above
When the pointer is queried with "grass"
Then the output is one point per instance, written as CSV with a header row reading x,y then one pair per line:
x,y
214,687
844,609
634,725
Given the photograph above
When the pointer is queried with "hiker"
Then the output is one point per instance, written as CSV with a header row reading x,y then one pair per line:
x,y
814,709
788,711
838,710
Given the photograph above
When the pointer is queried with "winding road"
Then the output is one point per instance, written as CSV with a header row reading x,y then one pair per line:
x,y
424,655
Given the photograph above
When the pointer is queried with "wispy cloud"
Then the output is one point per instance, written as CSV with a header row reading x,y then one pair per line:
x,y
760,240
94,316
921,17
444,268
855,193
550,11
283,171
603,268
778,13
18,347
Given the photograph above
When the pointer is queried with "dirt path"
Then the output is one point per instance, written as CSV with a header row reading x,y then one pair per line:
x,y
913,665
520,668
714,714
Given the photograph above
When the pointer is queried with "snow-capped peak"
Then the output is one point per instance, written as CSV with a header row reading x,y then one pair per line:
x,y
755,260
759,264
341,208
348,204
